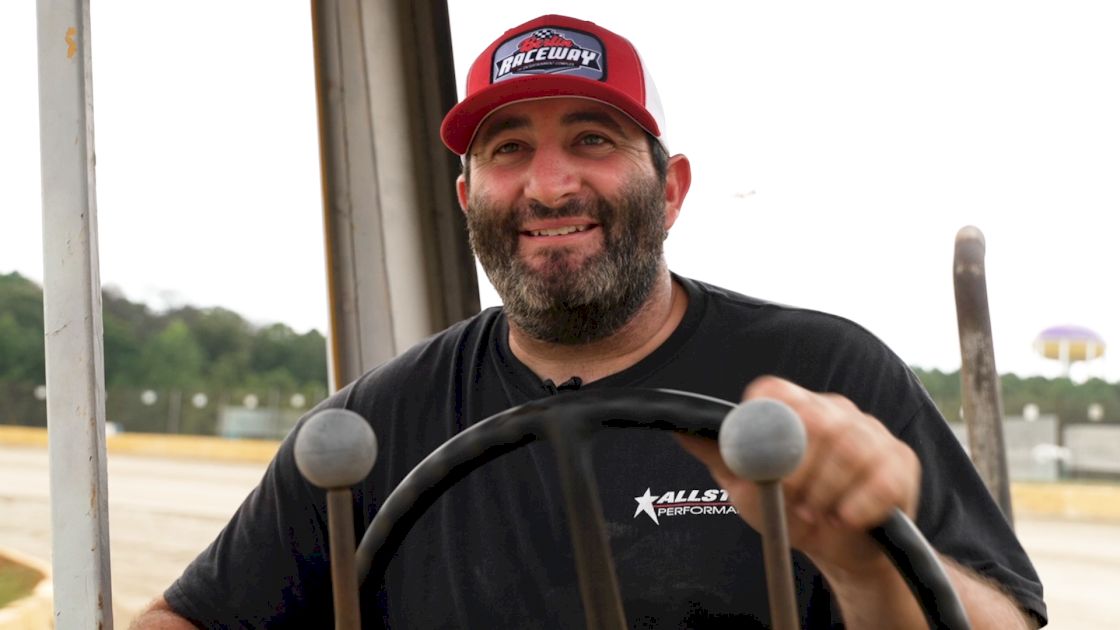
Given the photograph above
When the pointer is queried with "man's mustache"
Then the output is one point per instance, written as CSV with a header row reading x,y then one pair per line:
x,y
573,208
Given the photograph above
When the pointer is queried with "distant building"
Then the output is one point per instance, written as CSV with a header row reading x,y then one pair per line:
x,y
265,424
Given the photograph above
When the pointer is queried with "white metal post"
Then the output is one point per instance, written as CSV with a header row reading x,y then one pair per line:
x,y
398,264
72,320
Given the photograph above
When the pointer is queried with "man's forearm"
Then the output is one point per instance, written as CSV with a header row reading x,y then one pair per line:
x,y
987,604
883,600
159,616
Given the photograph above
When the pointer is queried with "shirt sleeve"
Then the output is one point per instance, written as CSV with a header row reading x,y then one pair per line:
x,y
960,518
956,513
269,565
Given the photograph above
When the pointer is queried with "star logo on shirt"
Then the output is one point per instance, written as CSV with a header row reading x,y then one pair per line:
x,y
645,504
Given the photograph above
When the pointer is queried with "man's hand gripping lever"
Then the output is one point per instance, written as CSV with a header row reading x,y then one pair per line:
x,y
335,450
763,441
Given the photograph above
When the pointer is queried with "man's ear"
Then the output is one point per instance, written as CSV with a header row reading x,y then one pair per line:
x,y
677,181
462,190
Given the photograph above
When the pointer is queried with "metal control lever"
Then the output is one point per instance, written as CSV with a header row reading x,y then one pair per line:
x,y
335,449
763,441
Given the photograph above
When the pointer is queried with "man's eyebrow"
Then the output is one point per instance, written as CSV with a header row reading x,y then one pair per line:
x,y
508,122
594,116
500,124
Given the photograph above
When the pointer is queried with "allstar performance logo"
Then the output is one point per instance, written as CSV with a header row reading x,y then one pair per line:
x,y
549,50
683,503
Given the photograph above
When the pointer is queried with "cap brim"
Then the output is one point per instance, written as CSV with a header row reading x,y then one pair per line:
x,y
462,122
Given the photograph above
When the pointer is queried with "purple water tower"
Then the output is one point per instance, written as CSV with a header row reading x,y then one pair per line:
x,y
1069,344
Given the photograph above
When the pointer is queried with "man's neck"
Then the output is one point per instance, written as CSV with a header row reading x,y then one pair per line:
x,y
644,333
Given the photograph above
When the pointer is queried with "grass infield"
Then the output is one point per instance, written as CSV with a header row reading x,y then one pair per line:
x,y
16,581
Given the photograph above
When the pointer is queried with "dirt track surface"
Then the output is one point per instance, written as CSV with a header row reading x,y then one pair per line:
x,y
164,511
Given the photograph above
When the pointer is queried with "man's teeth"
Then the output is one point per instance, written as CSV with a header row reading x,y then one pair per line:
x,y
561,231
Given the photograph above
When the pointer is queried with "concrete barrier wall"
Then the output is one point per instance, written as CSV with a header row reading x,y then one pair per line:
x,y
1033,454
1093,449
1081,501
160,445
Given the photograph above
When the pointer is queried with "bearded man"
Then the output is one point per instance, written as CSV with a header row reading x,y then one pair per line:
x,y
569,191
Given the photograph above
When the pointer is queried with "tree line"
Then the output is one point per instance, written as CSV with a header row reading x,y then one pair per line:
x,y
157,364
1060,397
164,371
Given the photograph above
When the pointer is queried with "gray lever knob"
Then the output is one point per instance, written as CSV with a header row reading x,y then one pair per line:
x,y
762,440
335,448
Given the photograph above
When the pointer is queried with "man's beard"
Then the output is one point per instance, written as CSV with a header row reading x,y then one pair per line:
x,y
566,300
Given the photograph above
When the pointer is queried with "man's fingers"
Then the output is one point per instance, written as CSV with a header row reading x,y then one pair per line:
x,y
881,490
816,493
743,493
811,407
844,453
778,389
854,469
853,473
707,451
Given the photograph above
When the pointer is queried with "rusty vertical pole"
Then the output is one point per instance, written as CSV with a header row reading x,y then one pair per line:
x,y
980,384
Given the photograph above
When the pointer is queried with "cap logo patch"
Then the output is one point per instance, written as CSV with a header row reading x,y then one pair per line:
x,y
549,51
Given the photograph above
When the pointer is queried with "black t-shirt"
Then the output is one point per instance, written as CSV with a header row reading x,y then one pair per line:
x,y
494,551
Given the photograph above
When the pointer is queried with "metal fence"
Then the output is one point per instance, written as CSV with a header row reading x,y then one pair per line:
x,y
229,413
1045,449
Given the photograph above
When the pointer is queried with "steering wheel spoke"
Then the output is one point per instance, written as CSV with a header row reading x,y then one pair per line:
x,y
598,584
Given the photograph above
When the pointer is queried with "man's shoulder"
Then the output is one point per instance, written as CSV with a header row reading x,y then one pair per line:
x,y
460,337
430,365
757,314
816,349
462,341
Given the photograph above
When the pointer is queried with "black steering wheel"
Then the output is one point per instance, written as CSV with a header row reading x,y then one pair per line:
x,y
568,421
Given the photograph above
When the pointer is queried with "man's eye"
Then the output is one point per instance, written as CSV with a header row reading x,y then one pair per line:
x,y
592,139
507,147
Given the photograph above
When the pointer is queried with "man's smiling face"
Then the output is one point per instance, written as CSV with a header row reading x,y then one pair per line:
x,y
566,215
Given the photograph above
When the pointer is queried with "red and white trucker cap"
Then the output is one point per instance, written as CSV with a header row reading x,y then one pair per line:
x,y
554,56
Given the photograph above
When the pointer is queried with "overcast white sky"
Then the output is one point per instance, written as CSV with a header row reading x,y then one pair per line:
x,y
837,147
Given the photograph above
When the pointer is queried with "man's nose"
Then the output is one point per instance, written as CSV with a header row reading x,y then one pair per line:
x,y
551,179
